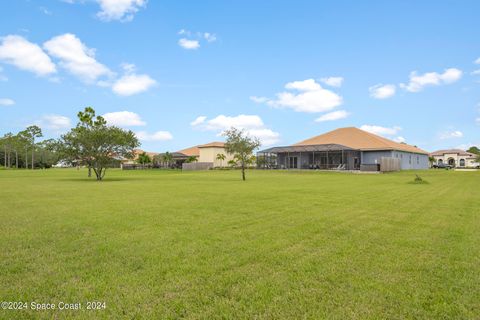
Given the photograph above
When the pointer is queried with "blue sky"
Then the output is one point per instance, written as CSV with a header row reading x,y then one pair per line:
x,y
179,72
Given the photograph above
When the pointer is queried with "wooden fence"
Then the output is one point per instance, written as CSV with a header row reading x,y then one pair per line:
x,y
388,164
197,166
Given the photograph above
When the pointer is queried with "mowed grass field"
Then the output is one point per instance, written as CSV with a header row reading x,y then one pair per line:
x,y
205,245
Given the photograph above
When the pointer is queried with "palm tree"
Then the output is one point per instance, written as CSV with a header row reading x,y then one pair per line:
x,y
167,158
222,158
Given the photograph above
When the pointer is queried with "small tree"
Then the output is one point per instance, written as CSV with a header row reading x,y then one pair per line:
x,y
232,163
96,144
191,159
144,159
241,146
222,158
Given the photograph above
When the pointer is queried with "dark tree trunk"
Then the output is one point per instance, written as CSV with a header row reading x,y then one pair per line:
x,y
16,159
243,171
89,171
33,156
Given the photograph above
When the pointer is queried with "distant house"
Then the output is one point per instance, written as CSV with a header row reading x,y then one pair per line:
x,y
455,158
207,155
345,149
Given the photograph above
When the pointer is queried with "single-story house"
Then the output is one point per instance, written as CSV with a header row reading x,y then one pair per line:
x,y
345,149
455,158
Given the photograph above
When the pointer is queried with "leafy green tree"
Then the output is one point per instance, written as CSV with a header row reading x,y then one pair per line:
x,y
232,163
221,157
474,150
94,143
32,133
191,159
144,159
241,146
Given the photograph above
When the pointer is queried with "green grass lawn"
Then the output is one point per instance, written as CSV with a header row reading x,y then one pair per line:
x,y
205,245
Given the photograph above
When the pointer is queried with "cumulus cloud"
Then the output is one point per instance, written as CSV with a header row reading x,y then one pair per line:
x,y
306,96
333,81
382,91
477,120
131,84
123,10
25,55
451,134
399,139
155,136
419,82
6,102
76,57
54,122
124,119
332,116
189,44
382,131
477,61
252,124
198,120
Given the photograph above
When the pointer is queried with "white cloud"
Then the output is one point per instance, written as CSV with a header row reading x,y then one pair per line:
x,y
258,99
332,116
131,84
55,122
252,124
476,72
189,44
198,120
399,139
477,61
311,97
451,134
124,119
381,91
25,55
477,120
382,131
6,102
122,10
418,82
76,57
210,37
333,81
156,136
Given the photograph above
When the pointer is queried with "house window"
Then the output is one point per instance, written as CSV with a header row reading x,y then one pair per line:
x,y
410,159
462,162
440,161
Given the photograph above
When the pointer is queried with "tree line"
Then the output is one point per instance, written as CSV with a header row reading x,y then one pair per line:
x,y
96,145
23,150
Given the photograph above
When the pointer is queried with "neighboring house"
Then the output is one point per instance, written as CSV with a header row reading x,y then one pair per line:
x,y
345,149
207,155
455,158
136,153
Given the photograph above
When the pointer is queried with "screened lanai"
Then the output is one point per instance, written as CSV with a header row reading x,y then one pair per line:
x,y
323,156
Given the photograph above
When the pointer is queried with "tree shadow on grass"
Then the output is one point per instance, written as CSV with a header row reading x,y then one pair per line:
x,y
93,180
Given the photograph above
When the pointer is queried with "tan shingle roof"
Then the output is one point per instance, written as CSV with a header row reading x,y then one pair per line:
x,y
192,151
360,140
453,151
213,144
